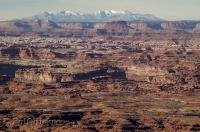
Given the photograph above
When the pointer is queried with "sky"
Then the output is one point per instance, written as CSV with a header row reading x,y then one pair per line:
x,y
166,9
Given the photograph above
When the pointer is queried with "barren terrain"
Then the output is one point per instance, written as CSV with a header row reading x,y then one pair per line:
x,y
128,78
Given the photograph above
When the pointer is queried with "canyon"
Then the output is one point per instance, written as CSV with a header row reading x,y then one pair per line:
x,y
99,76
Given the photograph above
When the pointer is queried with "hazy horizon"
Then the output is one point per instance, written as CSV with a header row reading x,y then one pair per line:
x,y
168,10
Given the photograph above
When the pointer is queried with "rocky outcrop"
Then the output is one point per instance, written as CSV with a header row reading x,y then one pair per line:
x,y
145,70
146,73
117,28
35,75
45,54
27,53
45,75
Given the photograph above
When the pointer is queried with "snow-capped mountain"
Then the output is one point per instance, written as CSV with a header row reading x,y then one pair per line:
x,y
100,16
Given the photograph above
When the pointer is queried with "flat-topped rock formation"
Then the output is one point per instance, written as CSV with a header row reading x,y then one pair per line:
x,y
93,29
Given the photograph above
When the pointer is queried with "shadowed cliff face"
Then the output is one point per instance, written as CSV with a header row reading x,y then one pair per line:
x,y
102,73
9,70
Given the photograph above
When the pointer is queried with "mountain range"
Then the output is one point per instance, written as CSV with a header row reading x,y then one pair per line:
x,y
100,16
107,22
